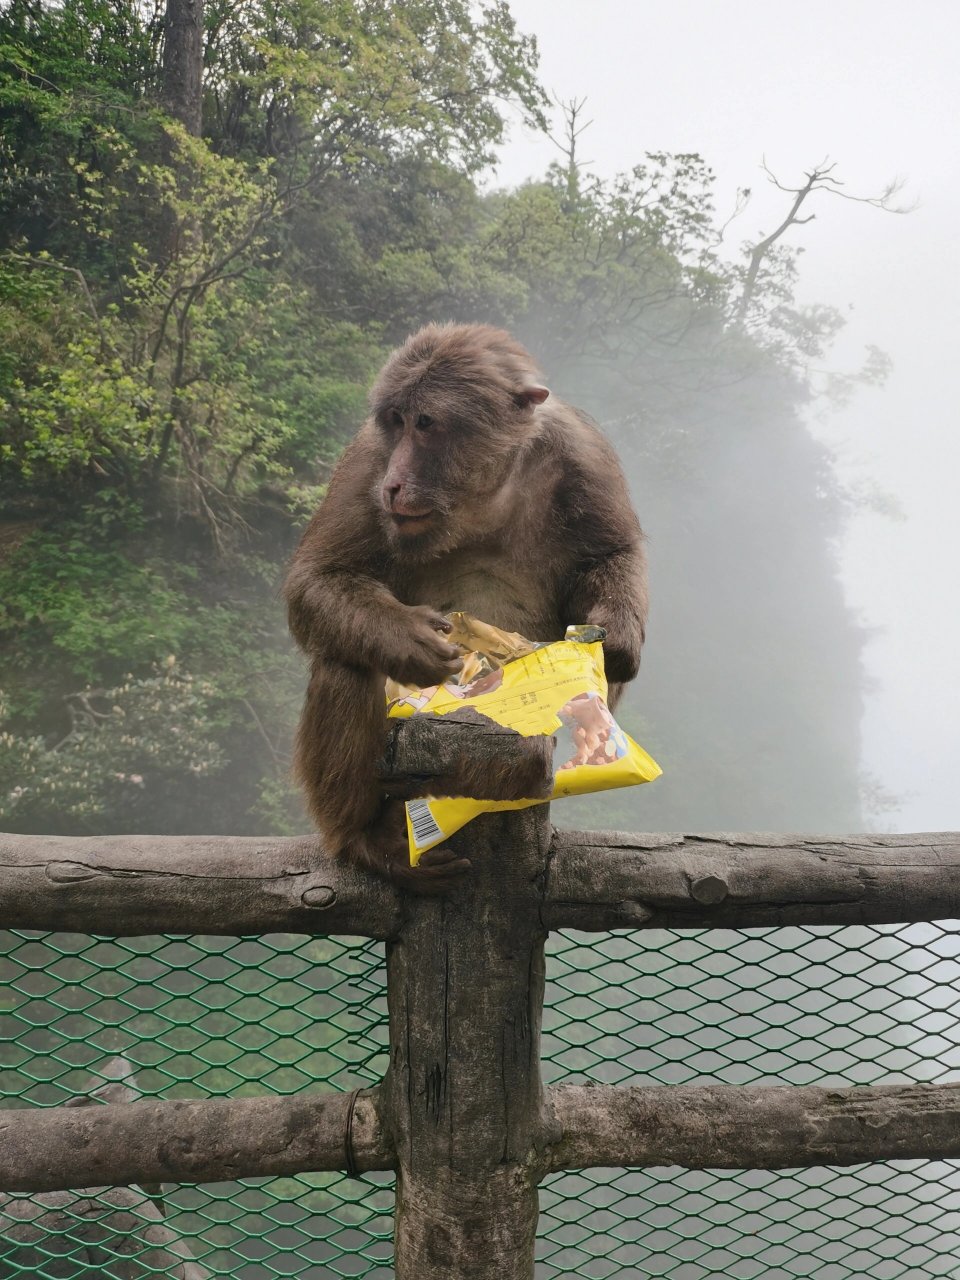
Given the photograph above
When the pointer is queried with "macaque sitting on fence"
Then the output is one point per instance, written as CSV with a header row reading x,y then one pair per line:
x,y
468,487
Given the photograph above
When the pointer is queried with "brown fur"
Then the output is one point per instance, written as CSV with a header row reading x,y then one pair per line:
x,y
529,527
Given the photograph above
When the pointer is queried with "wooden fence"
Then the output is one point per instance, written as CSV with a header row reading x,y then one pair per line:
x,y
462,1114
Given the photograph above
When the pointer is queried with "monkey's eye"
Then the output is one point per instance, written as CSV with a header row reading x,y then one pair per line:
x,y
424,421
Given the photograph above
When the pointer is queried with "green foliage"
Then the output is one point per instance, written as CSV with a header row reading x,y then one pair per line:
x,y
84,602
183,357
622,263
87,409
102,602
322,84
71,77
180,375
129,750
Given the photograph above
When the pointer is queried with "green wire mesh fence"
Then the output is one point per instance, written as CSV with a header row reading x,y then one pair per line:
x,y
203,1016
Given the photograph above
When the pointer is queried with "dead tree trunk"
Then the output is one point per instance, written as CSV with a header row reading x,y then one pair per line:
x,y
182,80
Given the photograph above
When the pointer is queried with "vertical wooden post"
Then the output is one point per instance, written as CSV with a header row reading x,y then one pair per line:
x,y
463,1089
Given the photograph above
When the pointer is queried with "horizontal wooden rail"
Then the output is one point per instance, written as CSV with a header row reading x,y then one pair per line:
x,y
582,1126
599,880
125,886
752,1126
205,1140
236,885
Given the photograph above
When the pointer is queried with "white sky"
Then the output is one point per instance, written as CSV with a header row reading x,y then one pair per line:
x,y
875,85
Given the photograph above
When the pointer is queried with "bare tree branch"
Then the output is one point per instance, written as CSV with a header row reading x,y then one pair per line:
x,y
819,178
572,132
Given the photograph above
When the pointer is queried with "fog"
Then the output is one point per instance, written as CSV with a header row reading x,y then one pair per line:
x,y
874,91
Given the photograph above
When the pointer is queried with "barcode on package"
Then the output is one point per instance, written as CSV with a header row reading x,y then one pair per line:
x,y
425,829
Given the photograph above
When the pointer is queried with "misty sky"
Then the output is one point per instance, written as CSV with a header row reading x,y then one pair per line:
x,y
873,85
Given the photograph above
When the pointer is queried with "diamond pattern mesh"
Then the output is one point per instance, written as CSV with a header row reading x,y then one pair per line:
x,y
194,1017
202,1016
828,1006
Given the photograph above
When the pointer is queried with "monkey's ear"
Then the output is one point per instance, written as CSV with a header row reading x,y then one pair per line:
x,y
531,396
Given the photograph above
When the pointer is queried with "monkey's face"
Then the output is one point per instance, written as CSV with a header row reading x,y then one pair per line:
x,y
452,414
447,477
414,500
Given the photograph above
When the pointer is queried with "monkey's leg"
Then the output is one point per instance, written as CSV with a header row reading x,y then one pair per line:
x,y
340,734
339,742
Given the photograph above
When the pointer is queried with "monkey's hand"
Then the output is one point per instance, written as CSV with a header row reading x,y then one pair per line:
x,y
621,648
414,650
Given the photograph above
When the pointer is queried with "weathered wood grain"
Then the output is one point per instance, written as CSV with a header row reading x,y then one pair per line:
x,y
180,1140
463,1091
751,1126
601,880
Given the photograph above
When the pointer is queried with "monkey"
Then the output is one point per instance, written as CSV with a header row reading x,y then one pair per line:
x,y
468,487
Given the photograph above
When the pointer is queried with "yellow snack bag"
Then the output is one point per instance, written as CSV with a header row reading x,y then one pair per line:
x,y
557,689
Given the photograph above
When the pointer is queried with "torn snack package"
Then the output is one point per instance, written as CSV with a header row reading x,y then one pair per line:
x,y
556,689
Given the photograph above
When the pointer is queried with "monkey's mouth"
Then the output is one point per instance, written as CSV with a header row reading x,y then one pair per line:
x,y
409,522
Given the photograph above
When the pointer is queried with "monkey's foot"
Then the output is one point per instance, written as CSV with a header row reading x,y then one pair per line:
x,y
383,849
438,871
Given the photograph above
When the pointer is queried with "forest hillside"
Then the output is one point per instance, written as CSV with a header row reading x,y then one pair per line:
x,y
194,296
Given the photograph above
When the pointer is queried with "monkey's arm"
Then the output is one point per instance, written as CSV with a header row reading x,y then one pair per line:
x,y
612,593
354,619
340,610
608,581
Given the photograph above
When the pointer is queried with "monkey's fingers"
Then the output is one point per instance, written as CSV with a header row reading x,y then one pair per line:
x,y
441,856
447,664
438,871
450,654
434,644
434,620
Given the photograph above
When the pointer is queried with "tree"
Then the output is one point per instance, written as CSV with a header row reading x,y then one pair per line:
x,y
819,178
182,93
